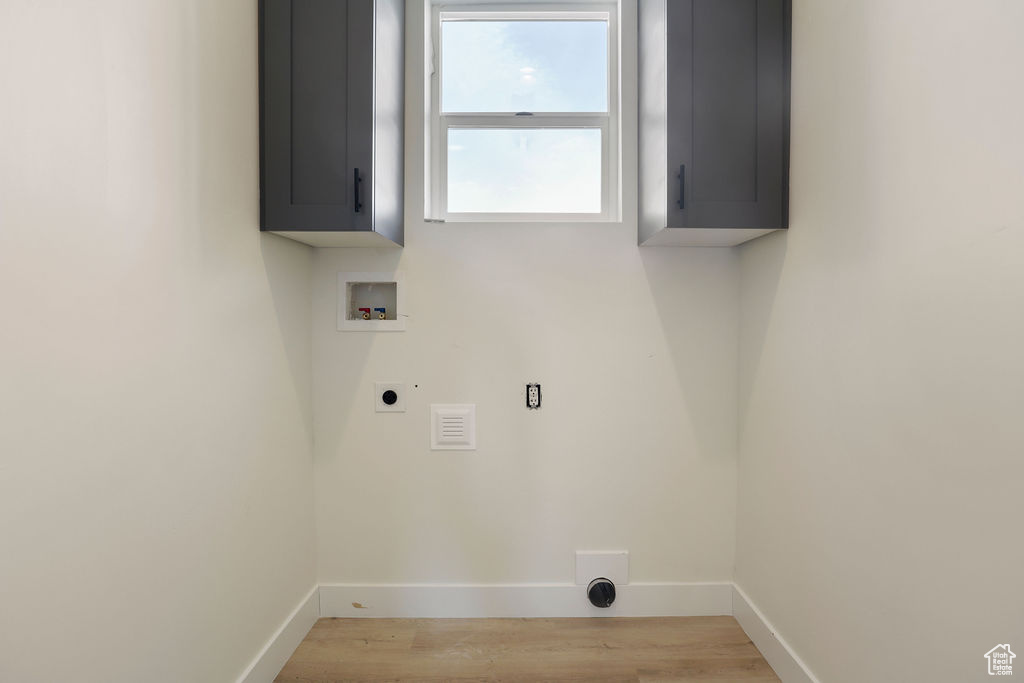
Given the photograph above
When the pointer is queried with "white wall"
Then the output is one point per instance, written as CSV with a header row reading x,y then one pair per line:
x,y
633,448
155,407
881,348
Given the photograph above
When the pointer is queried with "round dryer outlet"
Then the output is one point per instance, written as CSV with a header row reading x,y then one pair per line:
x,y
389,397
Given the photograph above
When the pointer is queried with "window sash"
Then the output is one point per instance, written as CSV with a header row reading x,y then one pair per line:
x,y
607,121
536,122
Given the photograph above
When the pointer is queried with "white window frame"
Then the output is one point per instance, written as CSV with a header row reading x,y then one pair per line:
x,y
440,123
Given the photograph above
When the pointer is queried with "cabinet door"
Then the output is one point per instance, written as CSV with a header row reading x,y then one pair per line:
x,y
727,113
306,170
361,133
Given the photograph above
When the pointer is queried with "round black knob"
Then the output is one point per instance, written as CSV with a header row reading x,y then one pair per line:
x,y
601,592
389,397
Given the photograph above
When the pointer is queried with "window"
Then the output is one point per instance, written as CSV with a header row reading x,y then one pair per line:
x,y
524,113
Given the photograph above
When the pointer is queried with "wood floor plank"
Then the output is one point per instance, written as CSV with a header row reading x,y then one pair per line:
x,y
691,649
687,669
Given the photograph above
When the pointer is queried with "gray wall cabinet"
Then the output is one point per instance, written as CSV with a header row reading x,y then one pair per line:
x,y
332,120
714,120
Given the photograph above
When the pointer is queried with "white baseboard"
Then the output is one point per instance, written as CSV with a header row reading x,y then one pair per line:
x,y
788,666
521,600
274,655
524,600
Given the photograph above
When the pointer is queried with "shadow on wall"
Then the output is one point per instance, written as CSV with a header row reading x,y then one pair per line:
x,y
694,294
288,265
760,264
836,107
218,121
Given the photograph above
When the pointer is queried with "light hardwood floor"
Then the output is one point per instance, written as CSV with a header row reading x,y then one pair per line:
x,y
604,649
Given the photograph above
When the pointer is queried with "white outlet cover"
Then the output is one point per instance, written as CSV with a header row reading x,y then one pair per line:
x,y
453,427
595,564
378,401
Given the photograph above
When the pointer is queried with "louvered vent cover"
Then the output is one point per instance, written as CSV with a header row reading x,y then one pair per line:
x,y
453,427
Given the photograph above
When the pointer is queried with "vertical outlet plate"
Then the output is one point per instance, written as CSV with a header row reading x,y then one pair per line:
x,y
380,388
533,396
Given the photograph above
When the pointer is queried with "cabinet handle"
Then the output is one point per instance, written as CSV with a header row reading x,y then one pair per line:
x,y
682,186
358,203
